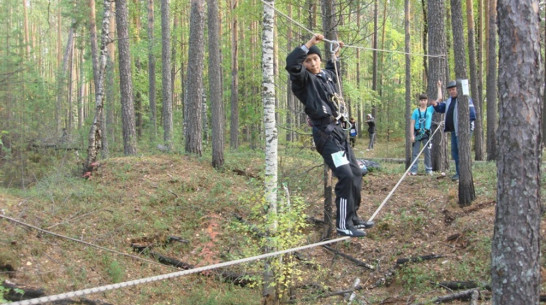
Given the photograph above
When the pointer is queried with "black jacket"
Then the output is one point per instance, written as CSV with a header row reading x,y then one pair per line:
x,y
314,91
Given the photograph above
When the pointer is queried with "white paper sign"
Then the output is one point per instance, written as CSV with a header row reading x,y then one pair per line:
x,y
464,85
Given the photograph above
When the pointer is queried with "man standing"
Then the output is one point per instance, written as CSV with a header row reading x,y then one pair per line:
x,y
318,90
449,107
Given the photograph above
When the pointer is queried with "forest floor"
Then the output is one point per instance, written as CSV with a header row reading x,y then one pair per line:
x,y
179,207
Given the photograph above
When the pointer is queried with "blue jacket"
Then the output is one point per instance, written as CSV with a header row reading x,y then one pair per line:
x,y
443,106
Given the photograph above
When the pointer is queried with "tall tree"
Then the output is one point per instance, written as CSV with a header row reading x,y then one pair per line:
x,y
478,140
93,42
125,81
437,72
234,120
515,255
151,69
166,74
408,80
215,85
108,119
95,135
466,183
61,79
491,83
271,139
193,131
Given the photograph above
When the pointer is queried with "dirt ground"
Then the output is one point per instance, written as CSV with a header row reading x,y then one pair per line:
x,y
147,200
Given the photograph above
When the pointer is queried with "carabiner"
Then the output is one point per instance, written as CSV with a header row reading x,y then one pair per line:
x,y
333,49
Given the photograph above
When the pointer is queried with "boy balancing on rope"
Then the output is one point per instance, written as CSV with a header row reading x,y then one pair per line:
x,y
319,90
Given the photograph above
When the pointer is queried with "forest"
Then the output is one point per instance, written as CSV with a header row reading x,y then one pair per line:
x,y
150,108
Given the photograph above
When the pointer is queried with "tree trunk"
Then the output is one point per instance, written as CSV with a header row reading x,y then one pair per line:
x,y
491,91
408,80
108,128
125,81
215,85
95,136
234,121
25,28
93,43
515,257
479,96
466,183
478,141
374,52
151,70
166,75
61,81
437,71
194,132
269,295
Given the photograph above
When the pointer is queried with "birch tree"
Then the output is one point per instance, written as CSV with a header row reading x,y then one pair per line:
x,y
95,135
271,139
515,255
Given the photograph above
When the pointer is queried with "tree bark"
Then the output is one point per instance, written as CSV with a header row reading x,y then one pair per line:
x,y
194,129
166,75
95,135
234,120
478,140
437,63
466,183
515,256
125,81
269,294
151,70
491,83
215,85
408,80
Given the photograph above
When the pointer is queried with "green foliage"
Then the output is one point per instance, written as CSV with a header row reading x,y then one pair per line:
x,y
114,269
6,290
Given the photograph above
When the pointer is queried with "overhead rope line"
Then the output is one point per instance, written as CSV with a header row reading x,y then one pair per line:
x,y
351,46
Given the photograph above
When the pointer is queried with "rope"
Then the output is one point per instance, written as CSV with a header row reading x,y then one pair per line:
x,y
87,291
404,175
351,46
78,240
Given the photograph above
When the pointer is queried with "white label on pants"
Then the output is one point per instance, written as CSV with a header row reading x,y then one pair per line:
x,y
339,158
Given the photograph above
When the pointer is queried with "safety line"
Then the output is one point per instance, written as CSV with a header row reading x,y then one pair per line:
x,y
87,291
404,175
351,46
78,240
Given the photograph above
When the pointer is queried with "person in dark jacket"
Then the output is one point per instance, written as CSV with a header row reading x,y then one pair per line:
x,y
318,90
371,130
449,107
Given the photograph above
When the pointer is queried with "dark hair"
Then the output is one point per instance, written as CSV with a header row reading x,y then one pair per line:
x,y
423,97
314,50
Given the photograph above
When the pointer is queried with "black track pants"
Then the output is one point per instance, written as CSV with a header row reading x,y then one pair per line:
x,y
331,145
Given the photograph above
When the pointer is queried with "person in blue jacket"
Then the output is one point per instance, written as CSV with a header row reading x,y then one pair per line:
x,y
420,123
318,90
449,107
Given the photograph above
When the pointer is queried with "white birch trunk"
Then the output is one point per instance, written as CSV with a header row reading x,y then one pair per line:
x,y
271,138
95,137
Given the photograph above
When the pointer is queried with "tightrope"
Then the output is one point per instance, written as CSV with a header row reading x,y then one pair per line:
x,y
83,292
405,174
351,46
